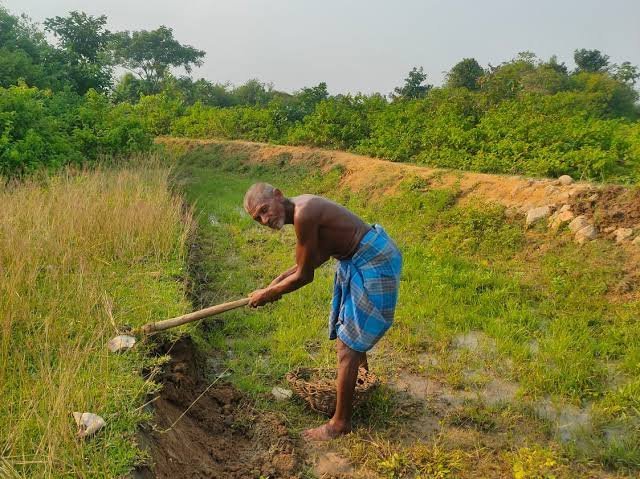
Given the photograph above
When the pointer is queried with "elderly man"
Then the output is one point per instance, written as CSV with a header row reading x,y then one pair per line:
x,y
365,285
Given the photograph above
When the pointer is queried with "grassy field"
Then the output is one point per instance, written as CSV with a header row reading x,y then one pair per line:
x,y
80,253
520,348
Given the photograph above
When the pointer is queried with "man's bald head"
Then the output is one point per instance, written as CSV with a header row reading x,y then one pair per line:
x,y
258,193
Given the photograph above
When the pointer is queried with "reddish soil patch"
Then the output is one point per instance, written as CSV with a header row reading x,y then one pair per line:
x,y
220,436
611,206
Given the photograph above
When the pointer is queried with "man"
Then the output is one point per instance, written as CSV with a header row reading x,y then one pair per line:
x,y
365,285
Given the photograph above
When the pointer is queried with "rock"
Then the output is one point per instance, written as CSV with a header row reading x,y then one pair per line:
x,y
121,343
560,218
565,208
565,180
636,242
623,234
536,214
609,229
593,197
281,394
587,233
550,190
578,223
88,423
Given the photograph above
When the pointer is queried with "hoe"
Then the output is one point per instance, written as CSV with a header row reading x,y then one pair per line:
x,y
124,342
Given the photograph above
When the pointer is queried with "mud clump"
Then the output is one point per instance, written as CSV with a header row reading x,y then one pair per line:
x,y
611,206
222,435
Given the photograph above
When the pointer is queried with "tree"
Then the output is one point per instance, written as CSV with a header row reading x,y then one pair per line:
x,y
591,61
626,73
465,74
25,54
83,43
309,97
254,93
413,86
151,54
504,81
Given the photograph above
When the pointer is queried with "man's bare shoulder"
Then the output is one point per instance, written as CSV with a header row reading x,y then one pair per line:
x,y
309,207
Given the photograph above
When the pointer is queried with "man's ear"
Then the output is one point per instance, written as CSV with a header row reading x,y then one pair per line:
x,y
277,194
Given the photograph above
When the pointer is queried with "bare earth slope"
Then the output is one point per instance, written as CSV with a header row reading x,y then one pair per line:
x,y
608,207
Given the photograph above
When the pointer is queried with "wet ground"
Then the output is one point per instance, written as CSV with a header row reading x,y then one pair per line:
x,y
219,436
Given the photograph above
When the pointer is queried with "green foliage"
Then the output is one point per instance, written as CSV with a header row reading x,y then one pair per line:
x,y
41,129
340,122
151,53
25,55
465,74
414,86
591,61
83,52
524,116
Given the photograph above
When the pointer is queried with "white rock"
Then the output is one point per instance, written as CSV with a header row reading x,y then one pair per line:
x,y
560,218
565,180
121,343
281,394
623,234
565,208
587,233
537,214
578,223
88,423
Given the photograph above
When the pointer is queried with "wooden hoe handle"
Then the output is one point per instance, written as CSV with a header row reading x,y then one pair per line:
x,y
196,315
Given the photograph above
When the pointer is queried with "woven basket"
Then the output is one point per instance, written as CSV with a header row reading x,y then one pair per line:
x,y
318,387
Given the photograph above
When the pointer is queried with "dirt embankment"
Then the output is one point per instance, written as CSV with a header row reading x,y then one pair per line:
x,y
221,435
363,172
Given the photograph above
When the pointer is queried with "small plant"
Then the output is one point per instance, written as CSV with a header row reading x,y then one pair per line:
x,y
535,463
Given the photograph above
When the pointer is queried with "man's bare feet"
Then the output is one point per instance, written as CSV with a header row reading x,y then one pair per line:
x,y
326,432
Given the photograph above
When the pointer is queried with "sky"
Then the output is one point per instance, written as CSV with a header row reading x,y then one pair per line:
x,y
365,46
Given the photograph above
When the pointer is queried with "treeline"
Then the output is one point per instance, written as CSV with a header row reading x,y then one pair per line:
x,y
61,103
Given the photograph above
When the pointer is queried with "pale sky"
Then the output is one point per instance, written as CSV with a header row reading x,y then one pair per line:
x,y
367,46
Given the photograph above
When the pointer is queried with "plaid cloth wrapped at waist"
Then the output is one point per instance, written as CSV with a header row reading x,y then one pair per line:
x,y
365,291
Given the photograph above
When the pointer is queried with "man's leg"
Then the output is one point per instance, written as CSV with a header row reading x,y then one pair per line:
x,y
348,363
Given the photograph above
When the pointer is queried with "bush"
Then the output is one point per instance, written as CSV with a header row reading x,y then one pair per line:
x,y
41,129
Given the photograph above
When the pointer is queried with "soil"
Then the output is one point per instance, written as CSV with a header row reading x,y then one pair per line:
x,y
611,206
222,435
362,173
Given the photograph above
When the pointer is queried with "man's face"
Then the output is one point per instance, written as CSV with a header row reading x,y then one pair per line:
x,y
269,212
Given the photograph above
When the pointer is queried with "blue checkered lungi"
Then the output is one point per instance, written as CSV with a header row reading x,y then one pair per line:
x,y
365,291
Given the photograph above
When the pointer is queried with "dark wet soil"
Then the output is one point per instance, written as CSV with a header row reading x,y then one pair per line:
x,y
221,436
611,206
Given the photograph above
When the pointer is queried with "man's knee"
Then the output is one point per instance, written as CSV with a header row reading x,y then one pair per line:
x,y
346,355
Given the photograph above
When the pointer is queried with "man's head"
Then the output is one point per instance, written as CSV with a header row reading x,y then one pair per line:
x,y
265,204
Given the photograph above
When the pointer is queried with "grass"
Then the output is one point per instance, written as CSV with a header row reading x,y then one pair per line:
x,y
81,252
544,306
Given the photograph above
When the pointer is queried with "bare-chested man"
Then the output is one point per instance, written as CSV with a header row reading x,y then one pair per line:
x,y
365,286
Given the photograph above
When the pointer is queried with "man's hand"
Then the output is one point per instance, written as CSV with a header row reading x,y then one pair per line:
x,y
261,297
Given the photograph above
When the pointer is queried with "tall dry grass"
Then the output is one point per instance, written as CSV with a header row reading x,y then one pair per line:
x,y
79,252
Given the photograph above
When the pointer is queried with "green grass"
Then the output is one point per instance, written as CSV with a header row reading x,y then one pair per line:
x,y
82,253
545,305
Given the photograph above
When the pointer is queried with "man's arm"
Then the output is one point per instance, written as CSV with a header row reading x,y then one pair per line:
x,y
308,258
284,275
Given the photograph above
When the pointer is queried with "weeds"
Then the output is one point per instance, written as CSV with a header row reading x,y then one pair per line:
x,y
81,253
